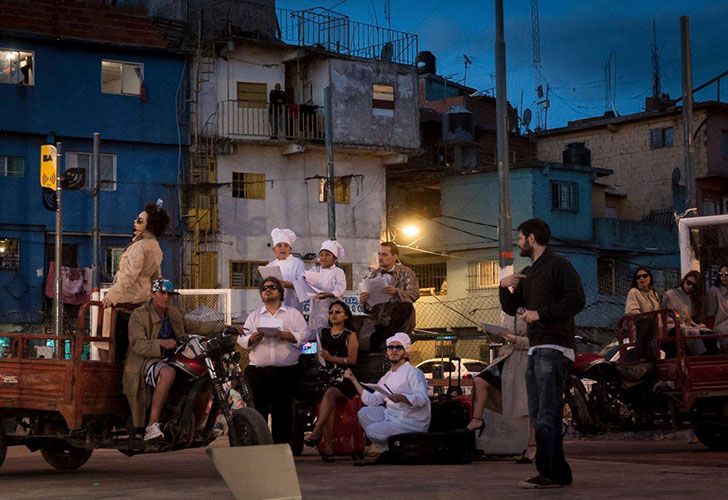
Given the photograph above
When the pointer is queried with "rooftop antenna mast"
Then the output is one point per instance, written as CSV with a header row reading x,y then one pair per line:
x,y
610,82
388,13
542,100
656,87
466,62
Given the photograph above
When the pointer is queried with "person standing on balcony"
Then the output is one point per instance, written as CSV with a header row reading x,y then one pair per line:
x,y
276,105
291,267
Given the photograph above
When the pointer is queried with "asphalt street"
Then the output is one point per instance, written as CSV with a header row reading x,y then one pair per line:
x,y
602,469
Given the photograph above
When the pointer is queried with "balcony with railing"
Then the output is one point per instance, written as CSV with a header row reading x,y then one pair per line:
x,y
315,27
240,120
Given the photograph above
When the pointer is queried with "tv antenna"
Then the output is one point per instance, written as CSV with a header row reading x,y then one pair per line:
x,y
466,62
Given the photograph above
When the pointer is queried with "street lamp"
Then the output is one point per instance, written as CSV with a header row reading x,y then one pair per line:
x,y
410,230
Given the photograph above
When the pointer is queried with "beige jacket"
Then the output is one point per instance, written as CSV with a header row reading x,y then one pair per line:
x,y
512,401
144,325
140,264
641,302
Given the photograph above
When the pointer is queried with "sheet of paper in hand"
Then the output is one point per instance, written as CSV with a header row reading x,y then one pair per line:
x,y
304,290
267,271
270,326
312,278
497,330
375,287
378,388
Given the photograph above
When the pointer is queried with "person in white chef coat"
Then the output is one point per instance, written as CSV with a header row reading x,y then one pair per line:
x,y
406,407
291,267
330,279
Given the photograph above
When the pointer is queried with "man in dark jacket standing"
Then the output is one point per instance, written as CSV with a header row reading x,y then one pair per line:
x,y
551,293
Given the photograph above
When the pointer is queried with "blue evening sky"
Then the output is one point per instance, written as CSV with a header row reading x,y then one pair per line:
x,y
576,40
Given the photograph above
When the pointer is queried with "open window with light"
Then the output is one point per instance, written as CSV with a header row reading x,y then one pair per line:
x,y
16,67
9,254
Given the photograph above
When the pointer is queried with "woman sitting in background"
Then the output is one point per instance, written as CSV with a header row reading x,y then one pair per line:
x,y
642,296
717,305
687,300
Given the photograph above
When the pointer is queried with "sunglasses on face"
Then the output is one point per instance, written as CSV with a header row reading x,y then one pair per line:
x,y
690,283
336,311
643,276
139,221
395,348
267,287
723,273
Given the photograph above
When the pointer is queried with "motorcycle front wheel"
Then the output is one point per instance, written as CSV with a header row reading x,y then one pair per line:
x,y
248,428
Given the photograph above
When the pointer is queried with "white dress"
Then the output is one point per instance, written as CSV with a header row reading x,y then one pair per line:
x,y
331,280
291,269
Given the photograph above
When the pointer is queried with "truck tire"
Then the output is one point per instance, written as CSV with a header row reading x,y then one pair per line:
x,y
248,428
3,445
62,456
714,436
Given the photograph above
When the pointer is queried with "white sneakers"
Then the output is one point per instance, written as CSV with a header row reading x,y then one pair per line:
x,y
153,432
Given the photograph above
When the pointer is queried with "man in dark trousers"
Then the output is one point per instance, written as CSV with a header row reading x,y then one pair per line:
x,y
551,293
276,104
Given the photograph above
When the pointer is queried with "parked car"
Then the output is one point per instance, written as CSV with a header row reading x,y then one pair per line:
x,y
447,368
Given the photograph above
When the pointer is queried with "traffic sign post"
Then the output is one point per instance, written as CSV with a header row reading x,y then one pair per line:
x,y
51,178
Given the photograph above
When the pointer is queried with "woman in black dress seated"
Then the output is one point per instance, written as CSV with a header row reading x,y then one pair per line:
x,y
339,348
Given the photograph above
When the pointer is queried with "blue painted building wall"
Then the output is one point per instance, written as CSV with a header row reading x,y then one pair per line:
x,y
66,104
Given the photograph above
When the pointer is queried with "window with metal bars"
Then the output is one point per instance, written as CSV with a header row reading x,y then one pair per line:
x,y
248,185
430,276
483,274
565,196
244,273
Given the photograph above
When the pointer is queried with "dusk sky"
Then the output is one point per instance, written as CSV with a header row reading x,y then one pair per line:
x,y
576,40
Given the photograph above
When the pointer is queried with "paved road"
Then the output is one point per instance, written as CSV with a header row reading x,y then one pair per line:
x,y
602,469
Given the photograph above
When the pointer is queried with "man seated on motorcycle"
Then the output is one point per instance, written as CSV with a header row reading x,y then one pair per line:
x,y
154,330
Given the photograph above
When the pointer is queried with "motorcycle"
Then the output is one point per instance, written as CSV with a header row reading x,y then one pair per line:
x,y
648,380
208,382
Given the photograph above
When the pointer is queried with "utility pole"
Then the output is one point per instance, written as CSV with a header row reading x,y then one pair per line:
x,y
57,286
95,191
687,110
330,179
505,241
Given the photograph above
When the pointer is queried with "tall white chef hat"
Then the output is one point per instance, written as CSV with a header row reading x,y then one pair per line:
x,y
334,247
402,338
282,236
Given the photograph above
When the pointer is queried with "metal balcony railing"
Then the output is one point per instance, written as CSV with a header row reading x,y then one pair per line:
x,y
315,27
241,120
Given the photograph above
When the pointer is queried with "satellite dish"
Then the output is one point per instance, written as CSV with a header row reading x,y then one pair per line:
x,y
526,119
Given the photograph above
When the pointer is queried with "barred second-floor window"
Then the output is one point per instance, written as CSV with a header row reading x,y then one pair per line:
x,y
483,274
9,254
565,196
247,185
342,190
16,67
431,276
244,273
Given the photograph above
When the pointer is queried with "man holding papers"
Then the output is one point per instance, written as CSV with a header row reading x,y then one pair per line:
x,y
274,334
402,391
387,295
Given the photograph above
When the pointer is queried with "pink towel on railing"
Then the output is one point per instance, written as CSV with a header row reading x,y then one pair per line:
x,y
76,284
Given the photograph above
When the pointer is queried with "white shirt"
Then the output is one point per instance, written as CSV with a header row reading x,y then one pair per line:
x,y
271,351
410,382
566,351
292,268
333,280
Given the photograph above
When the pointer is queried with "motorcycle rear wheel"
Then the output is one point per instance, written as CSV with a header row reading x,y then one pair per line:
x,y
62,456
714,436
248,428
576,408
3,444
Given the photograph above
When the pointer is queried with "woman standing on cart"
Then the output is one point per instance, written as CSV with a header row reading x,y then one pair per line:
x,y
339,348
140,264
